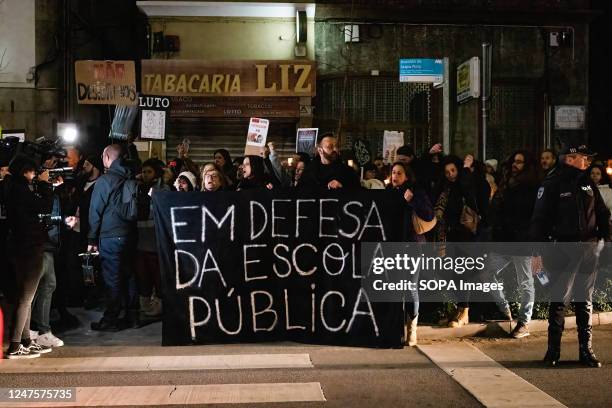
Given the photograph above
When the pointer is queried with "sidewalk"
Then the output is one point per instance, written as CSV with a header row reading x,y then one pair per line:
x,y
500,328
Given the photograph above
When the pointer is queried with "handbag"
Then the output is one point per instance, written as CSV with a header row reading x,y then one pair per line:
x,y
469,218
421,226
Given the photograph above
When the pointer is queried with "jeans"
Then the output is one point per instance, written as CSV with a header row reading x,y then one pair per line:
x,y
524,278
28,267
116,259
41,307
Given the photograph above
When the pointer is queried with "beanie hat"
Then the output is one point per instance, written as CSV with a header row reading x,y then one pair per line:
x,y
492,163
96,161
187,175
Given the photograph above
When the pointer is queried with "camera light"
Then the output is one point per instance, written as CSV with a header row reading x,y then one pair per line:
x,y
68,132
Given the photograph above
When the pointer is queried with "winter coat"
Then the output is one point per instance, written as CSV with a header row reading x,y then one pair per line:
x,y
104,218
318,175
419,205
24,204
513,212
471,190
569,208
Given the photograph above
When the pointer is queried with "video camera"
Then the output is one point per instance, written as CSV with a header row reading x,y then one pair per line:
x,y
66,173
44,148
49,220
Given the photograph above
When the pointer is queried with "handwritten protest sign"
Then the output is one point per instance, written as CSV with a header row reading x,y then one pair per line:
x,y
274,266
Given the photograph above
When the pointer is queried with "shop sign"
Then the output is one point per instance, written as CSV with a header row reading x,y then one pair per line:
x,y
229,78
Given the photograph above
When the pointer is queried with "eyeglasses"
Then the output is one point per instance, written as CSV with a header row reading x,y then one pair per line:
x,y
213,176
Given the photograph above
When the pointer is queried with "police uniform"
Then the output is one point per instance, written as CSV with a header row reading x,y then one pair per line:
x,y
569,209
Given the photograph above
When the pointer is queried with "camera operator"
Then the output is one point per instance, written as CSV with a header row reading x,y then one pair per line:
x,y
79,222
40,328
26,200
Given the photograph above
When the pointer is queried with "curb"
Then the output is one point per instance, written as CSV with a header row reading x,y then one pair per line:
x,y
500,328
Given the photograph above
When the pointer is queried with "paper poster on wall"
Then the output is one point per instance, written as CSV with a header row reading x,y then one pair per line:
x,y
306,140
153,125
256,136
153,116
392,140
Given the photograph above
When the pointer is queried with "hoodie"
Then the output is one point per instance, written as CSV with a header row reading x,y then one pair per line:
x,y
104,218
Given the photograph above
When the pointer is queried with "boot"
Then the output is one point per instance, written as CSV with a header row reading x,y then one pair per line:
x,y
412,331
461,318
145,304
585,353
553,354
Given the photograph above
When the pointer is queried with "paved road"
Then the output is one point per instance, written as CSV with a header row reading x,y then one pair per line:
x,y
352,377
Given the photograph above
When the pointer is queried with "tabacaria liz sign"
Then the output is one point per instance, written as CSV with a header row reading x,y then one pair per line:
x,y
229,78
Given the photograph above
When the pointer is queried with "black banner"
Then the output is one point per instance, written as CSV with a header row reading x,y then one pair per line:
x,y
274,266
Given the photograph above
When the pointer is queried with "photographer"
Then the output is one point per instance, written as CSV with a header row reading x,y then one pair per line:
x,y
40,329
25,201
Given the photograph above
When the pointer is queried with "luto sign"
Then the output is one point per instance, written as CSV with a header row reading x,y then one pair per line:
x,y
228,78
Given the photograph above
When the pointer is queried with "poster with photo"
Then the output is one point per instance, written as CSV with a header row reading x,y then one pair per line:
x,y
392,140
256,136
153,125
306,140
154,112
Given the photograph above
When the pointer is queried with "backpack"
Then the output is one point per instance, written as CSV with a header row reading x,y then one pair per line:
x,y
127,200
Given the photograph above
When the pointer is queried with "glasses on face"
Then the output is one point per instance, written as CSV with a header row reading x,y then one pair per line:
x,y
519,162
212,176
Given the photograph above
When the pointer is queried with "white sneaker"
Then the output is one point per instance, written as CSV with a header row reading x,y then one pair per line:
x,y
33,334
39,348
49,340
22,353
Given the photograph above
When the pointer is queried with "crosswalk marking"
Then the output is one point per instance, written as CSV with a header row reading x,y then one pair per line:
x,y
488,381
156,363
156,395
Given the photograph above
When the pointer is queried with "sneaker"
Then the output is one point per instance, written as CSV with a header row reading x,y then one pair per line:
x,y
33,334
155,308
39,348
520,330
22,353
49,340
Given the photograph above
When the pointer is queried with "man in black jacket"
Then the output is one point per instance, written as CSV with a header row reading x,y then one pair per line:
x,y
569,208
511,212
116,238
329,172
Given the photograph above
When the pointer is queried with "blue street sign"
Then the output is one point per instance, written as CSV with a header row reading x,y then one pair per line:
x,y
421,70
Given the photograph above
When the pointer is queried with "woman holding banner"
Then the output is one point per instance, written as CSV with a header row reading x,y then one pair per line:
x,y
213,178
418,208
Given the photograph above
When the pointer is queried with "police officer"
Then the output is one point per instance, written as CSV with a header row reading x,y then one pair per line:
x,y
569,208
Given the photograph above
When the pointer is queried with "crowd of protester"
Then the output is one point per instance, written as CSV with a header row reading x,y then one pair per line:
x,y
453,200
